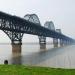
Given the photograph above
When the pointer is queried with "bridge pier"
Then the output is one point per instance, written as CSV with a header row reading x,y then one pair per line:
x,y
16,48
42,42
16,45
16,52
55,42
61,43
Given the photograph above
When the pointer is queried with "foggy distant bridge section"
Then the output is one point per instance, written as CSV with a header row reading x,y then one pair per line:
x,y
15,27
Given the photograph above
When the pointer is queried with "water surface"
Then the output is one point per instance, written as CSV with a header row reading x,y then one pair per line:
x,y
32,55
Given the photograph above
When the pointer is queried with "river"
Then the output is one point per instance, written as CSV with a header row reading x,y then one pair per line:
x,y
63,57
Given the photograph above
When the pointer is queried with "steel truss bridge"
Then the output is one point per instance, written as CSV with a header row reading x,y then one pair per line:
x,y
15,27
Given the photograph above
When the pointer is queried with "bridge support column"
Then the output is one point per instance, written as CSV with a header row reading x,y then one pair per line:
x,y
55,42
61,43
16,47
16,53
42,42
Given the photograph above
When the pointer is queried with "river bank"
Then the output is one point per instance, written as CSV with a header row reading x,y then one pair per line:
x,y
27,70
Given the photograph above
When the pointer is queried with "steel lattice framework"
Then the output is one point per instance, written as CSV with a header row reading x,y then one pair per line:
x,y
15,27
32,18
49,25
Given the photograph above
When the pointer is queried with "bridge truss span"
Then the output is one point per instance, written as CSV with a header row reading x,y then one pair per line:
x,y
15,27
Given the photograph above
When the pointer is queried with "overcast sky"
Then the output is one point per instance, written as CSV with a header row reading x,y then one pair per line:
x,y
61,12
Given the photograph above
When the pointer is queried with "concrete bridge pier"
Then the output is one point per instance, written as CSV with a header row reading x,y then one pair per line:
x,y
60,40
55,42
61,43
16,52
16,47
42,42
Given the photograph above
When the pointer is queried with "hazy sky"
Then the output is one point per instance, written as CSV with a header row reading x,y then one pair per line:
x,y
61,12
